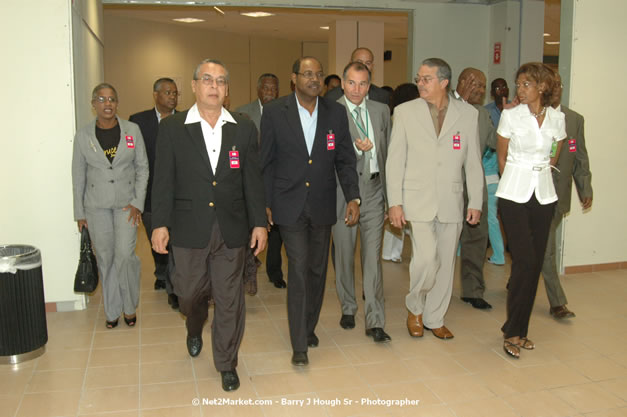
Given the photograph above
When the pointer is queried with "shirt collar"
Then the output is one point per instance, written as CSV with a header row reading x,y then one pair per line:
x,y
193,116
159,114
352,106
301,108
457,96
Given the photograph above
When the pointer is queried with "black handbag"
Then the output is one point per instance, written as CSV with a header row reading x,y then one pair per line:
x,y
86,279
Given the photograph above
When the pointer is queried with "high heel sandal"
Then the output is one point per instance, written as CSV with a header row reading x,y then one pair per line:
x,y
130,321
111,324
512,349
526,344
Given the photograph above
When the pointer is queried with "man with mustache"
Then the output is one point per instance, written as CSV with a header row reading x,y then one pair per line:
x,y
305,146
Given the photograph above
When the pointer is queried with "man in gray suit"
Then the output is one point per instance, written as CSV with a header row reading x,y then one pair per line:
x,y
369,125
267,90
363,55
471,86
572,163
434,142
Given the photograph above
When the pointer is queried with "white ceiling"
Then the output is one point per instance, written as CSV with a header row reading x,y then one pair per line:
x,y
288,23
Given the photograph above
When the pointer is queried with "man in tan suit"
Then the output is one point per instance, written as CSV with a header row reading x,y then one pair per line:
x,y
573,164
434,143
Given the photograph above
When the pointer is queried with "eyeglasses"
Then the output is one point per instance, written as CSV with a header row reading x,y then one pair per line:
x,y
310,75
102,99
526,84
171,93
425,80
209,80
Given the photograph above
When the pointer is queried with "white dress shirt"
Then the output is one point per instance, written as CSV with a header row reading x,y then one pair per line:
x,y
212,136
527,166
308,122
369,133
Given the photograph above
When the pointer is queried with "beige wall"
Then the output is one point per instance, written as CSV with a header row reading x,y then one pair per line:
x,y
138,52
596,91
395,71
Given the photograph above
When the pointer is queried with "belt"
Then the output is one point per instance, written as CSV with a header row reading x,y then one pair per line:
x,y
375,175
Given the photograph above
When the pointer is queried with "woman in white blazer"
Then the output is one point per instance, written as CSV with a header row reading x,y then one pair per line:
x,y
109,177
529,141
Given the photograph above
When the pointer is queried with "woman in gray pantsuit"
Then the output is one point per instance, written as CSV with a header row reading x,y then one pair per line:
x,y
109,176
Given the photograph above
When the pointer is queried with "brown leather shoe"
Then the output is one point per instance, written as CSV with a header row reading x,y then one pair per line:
x,y
442,333
414,325
561,312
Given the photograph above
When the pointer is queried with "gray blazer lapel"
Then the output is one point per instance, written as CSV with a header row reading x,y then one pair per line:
x,y
352,127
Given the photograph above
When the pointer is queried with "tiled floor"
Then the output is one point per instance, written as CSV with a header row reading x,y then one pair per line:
x,y
579,367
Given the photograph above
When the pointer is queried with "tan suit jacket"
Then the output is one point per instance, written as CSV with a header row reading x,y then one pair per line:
x,y
424,171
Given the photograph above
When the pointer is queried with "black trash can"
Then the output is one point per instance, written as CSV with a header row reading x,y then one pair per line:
x,y
23,329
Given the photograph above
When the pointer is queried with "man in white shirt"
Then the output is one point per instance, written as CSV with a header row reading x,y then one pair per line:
x,y
208,196
369,125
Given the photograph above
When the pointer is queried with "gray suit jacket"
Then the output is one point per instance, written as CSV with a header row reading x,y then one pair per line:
x,y
253,111
573,162
97,183
380,115
425,172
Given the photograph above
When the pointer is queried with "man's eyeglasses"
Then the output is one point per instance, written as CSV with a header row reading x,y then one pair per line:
x,y
425,80
209,80
102,99
310,75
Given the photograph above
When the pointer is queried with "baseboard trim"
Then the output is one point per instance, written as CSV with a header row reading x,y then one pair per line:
x,y
578,269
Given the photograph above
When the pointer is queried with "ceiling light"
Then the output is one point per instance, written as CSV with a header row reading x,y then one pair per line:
x,y
217,9
188,20
553,43
547,34
324,27
257,14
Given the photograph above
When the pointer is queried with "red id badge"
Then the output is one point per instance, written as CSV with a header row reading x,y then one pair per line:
x,y
129,142
234,159
572,145
330,141
457,144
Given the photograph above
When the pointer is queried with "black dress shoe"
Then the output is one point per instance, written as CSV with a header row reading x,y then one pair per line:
x,y
159,284
194,345
300,359
378,335
230,380
479,303
279,283
312,340
347,321
173,300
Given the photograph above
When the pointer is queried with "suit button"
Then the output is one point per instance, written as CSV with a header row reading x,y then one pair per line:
x,y
310,162
307,184
214,183
110,167
111,181
211,204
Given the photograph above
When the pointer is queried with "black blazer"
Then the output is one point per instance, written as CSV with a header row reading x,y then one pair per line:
x,y
149,126
374,93
291,176
188,197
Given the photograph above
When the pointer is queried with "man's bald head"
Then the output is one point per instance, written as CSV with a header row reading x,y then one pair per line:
x,y
471,85
365,56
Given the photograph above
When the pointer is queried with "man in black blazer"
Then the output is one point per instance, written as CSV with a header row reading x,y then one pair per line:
x,y
166,97
305,143
207,197
366,57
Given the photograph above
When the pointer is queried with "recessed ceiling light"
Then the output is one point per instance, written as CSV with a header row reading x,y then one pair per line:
x,y
188,20
547,34
257,14
553,43
217,9
324,27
